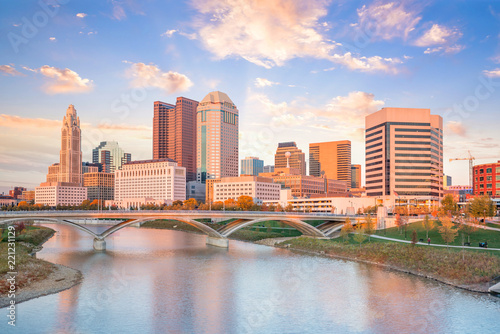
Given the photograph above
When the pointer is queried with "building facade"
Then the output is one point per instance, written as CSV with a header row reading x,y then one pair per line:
x,y
217,137
110,155
331,160
404,154
17,192
100,185
297,158
174,133
268,169
196,190
355,176
70,164
257,187
486,179
252,166
146,181
53,194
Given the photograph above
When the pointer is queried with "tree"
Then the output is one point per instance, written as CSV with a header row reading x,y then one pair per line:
x,y
482,206
230,204
414,237
468,225
190,204
449,205
400,221
264,207
289,208
428,225
346,229
245,203
447,230
217,206
23,204
359,234
369,226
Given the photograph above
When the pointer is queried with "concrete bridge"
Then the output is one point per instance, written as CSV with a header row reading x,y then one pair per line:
x,y
331,223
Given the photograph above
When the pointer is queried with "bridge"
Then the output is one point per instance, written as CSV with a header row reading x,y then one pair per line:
x,y
331,223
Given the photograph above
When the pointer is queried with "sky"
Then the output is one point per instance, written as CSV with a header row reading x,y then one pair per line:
x,y
303,71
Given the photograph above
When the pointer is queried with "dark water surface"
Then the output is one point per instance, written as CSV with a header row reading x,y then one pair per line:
x,y
160,281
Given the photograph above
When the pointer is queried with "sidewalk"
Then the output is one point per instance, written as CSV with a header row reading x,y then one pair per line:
x,y
435,245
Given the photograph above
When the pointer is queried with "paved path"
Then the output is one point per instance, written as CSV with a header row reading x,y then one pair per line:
x,y
435,245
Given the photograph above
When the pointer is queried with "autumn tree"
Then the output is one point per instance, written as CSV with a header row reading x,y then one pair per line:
x,y
428,225
359,234
230,204
217,206
346,229
245,203
190,204
468,225
400,221
447,230
414,237
369,226
289,208
482,206
449,205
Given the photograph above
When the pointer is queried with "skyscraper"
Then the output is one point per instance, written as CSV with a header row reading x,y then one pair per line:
x,y
252,166
404,154
297,157
217,137
70,165
331,160
355,176
174,133
110,156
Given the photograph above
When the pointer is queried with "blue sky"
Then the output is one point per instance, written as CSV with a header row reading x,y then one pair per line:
x,y
304,71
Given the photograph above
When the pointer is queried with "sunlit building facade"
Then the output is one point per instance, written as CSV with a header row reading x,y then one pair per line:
x,y
331,160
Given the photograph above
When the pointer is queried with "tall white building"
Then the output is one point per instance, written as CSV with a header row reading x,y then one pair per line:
x,y
159,181
217,137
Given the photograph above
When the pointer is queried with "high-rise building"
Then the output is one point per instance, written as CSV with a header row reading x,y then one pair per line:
x,y
355,176
70,164
252,166
89,167
110,156
486,179
404,154
331,160
297,158
268,169
157,181
217,137
100,185
64,180
174,133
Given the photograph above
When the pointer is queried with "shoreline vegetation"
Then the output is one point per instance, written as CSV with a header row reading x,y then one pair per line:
x,y
472,271
35,277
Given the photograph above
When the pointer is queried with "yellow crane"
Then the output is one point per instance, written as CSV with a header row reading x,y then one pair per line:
x,y
471,165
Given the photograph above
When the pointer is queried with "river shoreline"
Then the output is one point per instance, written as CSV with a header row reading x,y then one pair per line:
x,y
61,278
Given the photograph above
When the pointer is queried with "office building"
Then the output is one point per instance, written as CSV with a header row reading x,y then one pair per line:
x,y
28,196
88,167
196,190
331,160
174,133
157,181
404,155
217,137
16,192
257,187
252,166
486,179
100,185
110,156
447,181
53,194
355,176
268,169
297,158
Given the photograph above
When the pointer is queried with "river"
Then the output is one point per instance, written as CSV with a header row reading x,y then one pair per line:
x,y
161,281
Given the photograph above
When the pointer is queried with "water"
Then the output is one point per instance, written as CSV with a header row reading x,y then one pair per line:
x,y
160,281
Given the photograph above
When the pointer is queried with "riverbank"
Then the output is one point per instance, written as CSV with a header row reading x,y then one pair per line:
x,y
470,271
35,277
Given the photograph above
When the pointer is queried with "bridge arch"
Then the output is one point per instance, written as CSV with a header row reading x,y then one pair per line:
x,y
54,220
298,224
200,226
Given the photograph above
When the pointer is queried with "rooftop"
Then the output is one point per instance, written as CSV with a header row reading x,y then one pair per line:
x,y
216,97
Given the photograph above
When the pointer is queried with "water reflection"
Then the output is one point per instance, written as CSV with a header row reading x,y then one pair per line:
x,y
159,281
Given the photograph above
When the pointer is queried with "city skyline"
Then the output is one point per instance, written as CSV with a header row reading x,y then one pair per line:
x,y
344,64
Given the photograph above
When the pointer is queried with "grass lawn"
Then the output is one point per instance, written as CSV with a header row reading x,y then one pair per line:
x,y
481,235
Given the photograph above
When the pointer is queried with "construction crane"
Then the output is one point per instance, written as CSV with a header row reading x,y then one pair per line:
x,y
471,166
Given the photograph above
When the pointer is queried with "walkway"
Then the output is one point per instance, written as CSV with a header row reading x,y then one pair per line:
x,y
435,245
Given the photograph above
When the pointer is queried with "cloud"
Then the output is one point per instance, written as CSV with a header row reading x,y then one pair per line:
x,y
456,128
151,76
445,49
169,33
438,35
124,127
64,81
189,36
52,39
351,109
11,121
269,33
81,15
118,11
262,82
492,73
9,70
387,20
